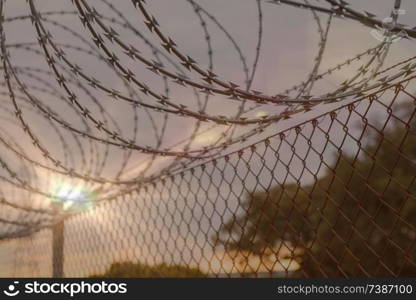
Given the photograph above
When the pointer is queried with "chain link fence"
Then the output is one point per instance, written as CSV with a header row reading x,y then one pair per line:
x,y
332,196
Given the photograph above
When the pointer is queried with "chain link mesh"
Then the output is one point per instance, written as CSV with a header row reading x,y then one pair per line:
x,y
333,196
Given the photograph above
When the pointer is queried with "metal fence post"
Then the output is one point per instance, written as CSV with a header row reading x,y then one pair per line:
x,y
58,244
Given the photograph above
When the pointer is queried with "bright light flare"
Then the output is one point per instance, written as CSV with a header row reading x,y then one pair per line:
x,y
208,138
72,196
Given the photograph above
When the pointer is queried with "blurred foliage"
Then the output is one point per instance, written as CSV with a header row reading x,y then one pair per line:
x,y
138,270
357,219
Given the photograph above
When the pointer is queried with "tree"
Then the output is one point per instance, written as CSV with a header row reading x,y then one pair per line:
x,y
138,270
358,219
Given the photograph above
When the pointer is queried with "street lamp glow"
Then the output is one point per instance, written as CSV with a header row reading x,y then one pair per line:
x,y
73,197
